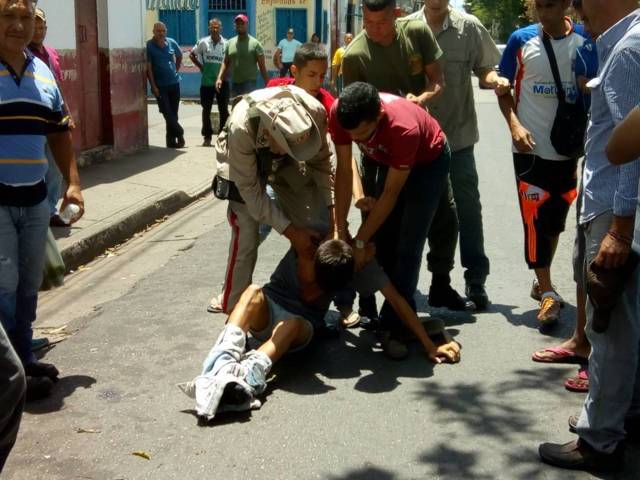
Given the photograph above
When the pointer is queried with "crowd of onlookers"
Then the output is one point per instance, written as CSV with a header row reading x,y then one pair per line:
x,y
567,90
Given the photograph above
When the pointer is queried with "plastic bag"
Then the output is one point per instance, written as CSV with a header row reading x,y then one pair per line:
x,y
53,265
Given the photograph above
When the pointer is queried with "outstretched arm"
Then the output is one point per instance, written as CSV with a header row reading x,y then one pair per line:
x,y
449,352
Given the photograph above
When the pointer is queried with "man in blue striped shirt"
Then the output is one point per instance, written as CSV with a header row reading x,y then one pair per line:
x,y
609,201
31,111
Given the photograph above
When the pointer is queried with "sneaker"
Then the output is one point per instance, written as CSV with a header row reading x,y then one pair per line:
x,y
207,142
478,295
549,309
579,455
41,369
536,294
393,348
446,296
38,388
38,343
235,394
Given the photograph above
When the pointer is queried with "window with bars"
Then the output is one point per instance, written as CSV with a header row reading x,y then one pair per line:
x,y
235,5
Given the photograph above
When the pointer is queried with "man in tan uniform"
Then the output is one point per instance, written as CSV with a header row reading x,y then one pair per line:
x,y
275,136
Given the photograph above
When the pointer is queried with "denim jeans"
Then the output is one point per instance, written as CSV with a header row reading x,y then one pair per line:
x,y
169,104
53,179
23,234
207,95
614,376
12,391
242,88
400,240
464,180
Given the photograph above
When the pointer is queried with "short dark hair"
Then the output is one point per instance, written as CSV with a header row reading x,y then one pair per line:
x,y
379,5
576,4
307,52
359,102
334,265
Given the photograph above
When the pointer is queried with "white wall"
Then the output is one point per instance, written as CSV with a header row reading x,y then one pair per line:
x,y
61,21
126,23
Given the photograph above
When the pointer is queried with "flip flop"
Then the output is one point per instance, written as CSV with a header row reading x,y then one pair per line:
x,y
560,355
352,320
579,383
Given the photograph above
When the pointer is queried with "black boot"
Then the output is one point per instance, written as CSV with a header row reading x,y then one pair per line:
x,y
38,388
441,294
41,369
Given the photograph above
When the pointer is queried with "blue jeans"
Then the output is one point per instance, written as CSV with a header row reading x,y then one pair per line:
x,y
242,88
23,235
614,373
53,179
400,240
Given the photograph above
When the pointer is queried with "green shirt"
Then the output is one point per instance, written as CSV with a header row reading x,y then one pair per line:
x,y
397,68
210,55
243,55
467,47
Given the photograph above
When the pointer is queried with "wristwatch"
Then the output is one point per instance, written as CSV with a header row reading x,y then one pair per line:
x,y
359,244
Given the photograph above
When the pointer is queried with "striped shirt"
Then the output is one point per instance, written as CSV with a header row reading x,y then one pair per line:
x,y
31,107
614,93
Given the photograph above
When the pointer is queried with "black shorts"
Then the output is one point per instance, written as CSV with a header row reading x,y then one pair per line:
x,y
546,189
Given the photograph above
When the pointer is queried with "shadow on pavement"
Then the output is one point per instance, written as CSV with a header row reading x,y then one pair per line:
x,y
350,356
562,329
125,167
63,388
365,473
450,317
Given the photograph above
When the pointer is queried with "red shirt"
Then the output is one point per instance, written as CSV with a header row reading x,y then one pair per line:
x,y
51,59
324,97
406,134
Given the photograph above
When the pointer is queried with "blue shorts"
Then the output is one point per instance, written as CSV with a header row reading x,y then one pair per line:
x,y
278,314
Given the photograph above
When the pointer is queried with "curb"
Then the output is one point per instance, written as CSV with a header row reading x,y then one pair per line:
x,y
93,244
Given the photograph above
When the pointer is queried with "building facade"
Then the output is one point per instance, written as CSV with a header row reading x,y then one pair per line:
x,y
269,20
104,68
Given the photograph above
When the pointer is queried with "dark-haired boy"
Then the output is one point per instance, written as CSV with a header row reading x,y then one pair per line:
x,y
283,316
403,138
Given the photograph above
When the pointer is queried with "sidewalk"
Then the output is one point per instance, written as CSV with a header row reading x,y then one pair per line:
x,y
124,195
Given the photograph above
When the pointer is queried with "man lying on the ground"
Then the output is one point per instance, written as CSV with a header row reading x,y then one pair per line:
x,y
284,314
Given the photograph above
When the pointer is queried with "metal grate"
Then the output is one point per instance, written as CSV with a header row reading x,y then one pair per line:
x,y
234,5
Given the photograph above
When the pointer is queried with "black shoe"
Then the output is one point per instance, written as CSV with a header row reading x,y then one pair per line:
x,y
579,455
631,426
171,142
180,143
56,221
446,296
478,295
234,394
206,142
38,388
392,346
41,369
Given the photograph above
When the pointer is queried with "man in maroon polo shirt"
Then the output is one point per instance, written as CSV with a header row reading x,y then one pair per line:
x,y
401,135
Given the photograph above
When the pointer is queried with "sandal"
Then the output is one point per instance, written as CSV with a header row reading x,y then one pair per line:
x,y
352,320
558,355
579,383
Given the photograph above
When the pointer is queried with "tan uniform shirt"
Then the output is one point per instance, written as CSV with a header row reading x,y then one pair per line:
x,y
300,191
467,47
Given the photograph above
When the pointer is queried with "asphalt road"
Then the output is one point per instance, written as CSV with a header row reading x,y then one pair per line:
x,y
138,326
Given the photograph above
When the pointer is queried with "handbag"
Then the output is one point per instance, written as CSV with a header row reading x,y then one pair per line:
x,y
570,123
